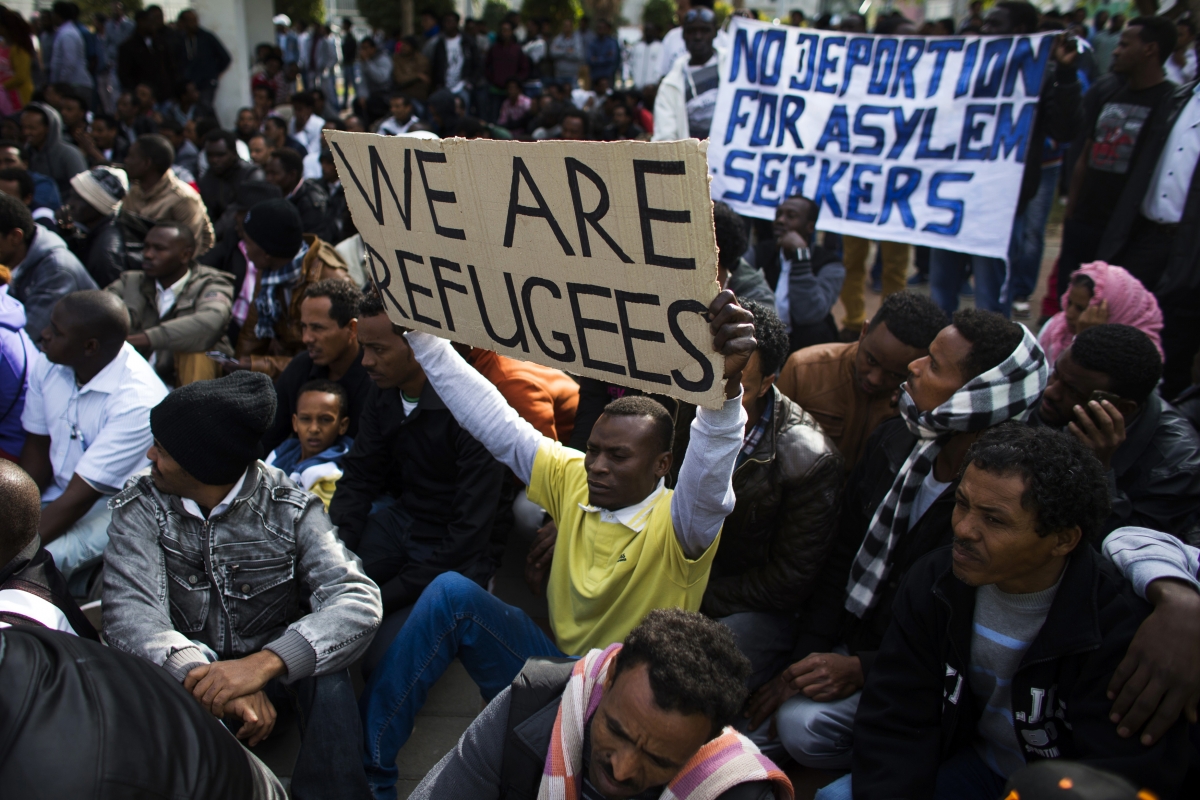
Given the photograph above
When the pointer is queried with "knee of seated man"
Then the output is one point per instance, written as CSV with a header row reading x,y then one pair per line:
x,y
810,729
450,587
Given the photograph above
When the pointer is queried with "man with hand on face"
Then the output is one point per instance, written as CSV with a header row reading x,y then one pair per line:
x,y
640,719
192,585
329,331
91,230
1001,647
611,507
178,309
805,277
1102,390
980,371
687,96
86,418
155,192
226,171
851,388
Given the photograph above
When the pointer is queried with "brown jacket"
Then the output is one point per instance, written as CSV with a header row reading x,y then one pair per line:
x,y
172,200
821,379
270,356
411,75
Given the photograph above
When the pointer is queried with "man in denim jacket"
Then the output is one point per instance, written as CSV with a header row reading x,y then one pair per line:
x,y
232,579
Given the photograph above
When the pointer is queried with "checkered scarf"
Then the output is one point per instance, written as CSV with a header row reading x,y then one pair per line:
x,y
272,303
1008,391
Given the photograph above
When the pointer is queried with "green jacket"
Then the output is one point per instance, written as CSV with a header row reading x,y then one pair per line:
x,y
197,322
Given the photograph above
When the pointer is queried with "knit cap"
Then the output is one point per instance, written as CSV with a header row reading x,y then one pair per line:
x,y
1056,779
213,428
275,226
102,187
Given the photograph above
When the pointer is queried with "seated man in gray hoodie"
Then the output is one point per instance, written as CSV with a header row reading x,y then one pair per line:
x,y
224,573
44,270
46,151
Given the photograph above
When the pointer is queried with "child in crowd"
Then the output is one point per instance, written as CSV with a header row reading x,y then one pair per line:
x,y
313,458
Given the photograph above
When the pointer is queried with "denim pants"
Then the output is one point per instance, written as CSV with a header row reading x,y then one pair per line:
x,y
1027,261
963,777
329,764
948,269
453,618
83,545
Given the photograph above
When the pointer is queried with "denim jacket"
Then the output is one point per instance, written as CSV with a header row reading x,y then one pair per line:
x,y
269,572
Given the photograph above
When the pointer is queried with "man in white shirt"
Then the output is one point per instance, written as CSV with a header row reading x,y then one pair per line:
x,y
687,96
645,58
402,118
1181,64
673,45
87,420
305,126
68,56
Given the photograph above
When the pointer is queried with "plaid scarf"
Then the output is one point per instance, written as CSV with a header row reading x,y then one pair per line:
x,y
1008,391
718,766
269,304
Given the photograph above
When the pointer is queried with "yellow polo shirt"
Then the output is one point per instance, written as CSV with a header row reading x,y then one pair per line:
x,y
607,574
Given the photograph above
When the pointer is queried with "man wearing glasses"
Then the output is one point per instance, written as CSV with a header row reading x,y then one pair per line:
x,y
687,96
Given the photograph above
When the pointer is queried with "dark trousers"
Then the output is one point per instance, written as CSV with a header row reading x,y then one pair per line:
x,y
329,766
1080,242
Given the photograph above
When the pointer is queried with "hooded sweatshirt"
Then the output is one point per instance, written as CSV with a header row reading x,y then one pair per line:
x,y
16,354
56,158
48,272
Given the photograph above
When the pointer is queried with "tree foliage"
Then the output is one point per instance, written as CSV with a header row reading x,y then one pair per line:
x,y
554,10
385,14
309,11
493,12
661,13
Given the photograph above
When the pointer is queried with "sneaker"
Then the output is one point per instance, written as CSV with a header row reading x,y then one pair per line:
x,y
919,279
1020,309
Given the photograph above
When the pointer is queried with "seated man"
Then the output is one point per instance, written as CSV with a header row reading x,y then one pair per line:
x,y
849,388
156,194
1006,661
87,423
1103,391
18,183
734,272
285,169
226,171
626,544
329,331
93,232
402,119
644,718
788,484
46,152
805,277
446,487
32,590
178,309
137,728
313,459
44,270
286,262
980,371
45,188
192,585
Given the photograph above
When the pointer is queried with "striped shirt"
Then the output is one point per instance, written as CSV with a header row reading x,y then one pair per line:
x,y
99,431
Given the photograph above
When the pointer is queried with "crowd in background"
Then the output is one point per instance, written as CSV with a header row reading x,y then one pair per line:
x,y
913,553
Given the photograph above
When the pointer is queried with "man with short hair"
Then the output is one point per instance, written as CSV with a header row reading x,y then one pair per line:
x,y
45,188
402,118
198,55
456,62
604,53
178,309
849,388
285,169
187,155
192,585
1102,390
155,192
687,95
305,126
788,484
980,371
87,423
642,718
329,331
32,590
1105,41
93,233
1001,647
68,56
226,172
46,152
44,270
611,507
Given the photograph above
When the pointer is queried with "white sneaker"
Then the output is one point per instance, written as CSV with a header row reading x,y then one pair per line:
x,y
1020,309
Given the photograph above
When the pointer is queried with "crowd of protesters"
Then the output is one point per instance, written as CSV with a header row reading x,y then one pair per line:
x,y
931,552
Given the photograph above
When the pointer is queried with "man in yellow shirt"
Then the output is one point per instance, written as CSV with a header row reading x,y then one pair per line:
x,y
626,544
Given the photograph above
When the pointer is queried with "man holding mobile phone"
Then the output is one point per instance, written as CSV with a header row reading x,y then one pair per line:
x,y
1102,390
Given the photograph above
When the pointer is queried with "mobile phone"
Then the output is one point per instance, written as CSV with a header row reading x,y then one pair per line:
x,y
221,358
1099,396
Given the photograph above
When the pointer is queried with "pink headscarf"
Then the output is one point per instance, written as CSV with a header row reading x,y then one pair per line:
x,y
1128,304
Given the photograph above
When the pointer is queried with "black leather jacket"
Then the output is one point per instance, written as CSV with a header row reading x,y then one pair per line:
x,y
312,201
81,720
788,496
101,250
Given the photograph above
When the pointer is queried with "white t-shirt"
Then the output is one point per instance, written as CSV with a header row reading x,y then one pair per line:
x,y
454,63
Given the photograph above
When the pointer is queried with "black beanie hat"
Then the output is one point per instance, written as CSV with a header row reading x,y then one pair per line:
x,y
1058,779
213,428
275,226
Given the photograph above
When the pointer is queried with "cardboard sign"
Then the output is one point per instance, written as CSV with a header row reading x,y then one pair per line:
x,y
899,138
598,259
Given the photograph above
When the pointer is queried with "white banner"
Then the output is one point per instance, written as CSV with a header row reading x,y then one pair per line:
x,y
898,138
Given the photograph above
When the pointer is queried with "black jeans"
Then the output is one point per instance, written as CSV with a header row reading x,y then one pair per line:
x,y
329,766
1080,242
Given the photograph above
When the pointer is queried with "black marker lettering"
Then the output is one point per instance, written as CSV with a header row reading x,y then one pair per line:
x,y
706,378
382,284
575,168
410,287
377,167
437,196
442,284
649,215
629,333
519,336
567,356
540,210
583,324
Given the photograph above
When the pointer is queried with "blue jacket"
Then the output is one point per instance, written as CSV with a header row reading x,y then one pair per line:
x,y
48,272
16,354
604,57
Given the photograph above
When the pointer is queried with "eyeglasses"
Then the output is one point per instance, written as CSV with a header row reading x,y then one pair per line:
x,y
699,15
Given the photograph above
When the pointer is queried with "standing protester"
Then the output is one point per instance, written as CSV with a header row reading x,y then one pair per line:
x,y
567,51
156,194
375,75
645,59
604,54
68,59
1105,42
145,57
256,621
687,95
457,62
349,58
505,61
1181,67
95,235
198,55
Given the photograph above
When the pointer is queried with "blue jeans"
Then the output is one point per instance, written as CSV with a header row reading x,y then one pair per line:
x,y
963,777
948,269
453,618
1027,263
